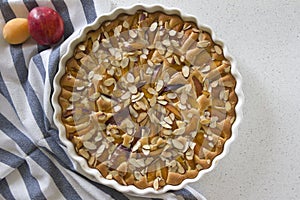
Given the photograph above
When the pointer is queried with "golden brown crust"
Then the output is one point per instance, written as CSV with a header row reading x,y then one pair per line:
x,y
148,99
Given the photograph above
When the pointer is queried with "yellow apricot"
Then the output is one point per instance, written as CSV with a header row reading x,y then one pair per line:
x,y
16,31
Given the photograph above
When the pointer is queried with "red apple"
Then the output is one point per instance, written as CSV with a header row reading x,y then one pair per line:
x,y
45,25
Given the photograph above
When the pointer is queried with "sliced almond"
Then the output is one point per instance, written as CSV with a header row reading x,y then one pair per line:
x,y
160,98
94,96
153,26
168,120
181,170
170,59
141,105
109,82
172,95
97,77
183,98
177,60
226,95
166,154
89,145
130,78
151,91
150,63
172,33
152,101
133,112
136,146
81,47
137,97
203,44
132,89
96,46
126,24
149,71
146,147
70,107
182,106
162,102
187,26
186,71
124,62
111,71
177,144
117,31
166,42
228,106
179,131
156,184
100,150
205,69
199,167
117,108
167,132
143,56
218,49
165,125
92,160
132,33
126,95
159,85
172,116
137,175
215,83
180,34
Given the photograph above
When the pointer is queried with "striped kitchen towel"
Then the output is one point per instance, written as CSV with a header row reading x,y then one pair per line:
x,y
33,162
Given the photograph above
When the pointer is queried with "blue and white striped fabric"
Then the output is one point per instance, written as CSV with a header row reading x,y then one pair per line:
x,y
33,162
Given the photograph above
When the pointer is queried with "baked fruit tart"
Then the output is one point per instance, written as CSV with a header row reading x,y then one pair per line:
x,y
148,99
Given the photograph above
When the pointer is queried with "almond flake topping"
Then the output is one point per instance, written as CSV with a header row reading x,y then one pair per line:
x,y
141,96
172,32
132,34
130,78
153,26
185,71
159,86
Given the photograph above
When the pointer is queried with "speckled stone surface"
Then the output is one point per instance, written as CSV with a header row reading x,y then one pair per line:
x,y
264,37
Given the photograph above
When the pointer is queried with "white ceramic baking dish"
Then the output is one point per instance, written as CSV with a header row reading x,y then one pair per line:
x,y
95,174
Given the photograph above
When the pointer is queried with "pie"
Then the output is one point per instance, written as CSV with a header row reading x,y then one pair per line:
x,y
148,99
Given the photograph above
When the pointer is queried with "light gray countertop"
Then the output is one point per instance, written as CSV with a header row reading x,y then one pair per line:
x,y
264,37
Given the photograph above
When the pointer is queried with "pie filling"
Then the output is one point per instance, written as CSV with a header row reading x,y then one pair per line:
x,y
148,99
